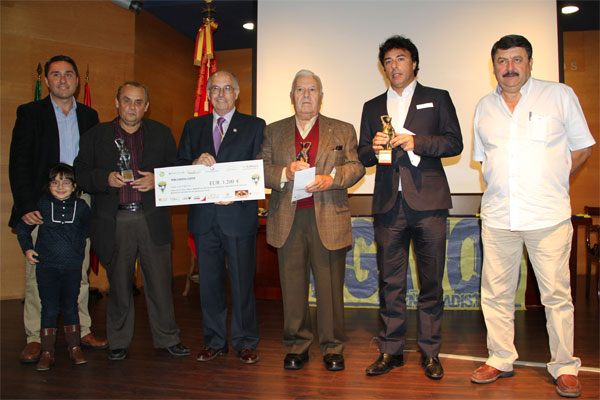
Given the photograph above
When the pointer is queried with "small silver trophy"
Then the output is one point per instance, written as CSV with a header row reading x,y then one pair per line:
x,y
385,155
303,154
124,161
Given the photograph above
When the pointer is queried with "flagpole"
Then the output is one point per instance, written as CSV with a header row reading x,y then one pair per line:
x,y
37,95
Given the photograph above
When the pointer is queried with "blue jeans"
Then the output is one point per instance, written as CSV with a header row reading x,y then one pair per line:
x,y
58,290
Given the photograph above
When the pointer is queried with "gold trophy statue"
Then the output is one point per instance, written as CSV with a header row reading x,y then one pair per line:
x,y
385,155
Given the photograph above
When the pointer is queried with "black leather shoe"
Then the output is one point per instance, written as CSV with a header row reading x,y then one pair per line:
x,y
117,354
433,367
179,350
334,362
294,360
384,364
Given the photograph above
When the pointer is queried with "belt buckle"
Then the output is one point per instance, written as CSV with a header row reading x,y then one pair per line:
x,y
130,207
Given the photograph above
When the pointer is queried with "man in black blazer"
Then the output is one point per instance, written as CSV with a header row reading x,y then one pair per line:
x,y
410,201
47,132
126,224
224,230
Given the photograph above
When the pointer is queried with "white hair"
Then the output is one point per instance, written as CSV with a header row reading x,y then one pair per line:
x,y
305,72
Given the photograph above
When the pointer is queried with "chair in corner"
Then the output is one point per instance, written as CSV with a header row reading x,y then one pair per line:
x,y
592,252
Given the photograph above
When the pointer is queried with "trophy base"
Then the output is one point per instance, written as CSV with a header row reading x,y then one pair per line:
x,y
385,157
127,175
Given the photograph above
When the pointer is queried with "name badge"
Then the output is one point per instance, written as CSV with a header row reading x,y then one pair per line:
x,y
424,105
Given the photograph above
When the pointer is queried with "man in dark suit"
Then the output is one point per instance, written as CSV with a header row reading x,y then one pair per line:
x,y
47,132
126,224
224,230
410,201
313,233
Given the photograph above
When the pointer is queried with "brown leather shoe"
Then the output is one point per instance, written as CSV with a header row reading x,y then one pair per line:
x,y
90,341
46,360
210,354
77,355
248,356
488,374
31,353
568,386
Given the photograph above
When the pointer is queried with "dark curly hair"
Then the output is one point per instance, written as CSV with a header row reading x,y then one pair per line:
x,y
400,42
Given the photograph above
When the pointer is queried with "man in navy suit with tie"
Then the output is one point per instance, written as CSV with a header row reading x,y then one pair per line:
x,y
224,230
410,200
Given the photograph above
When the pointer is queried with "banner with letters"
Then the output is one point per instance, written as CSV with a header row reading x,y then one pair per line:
x,y
462,275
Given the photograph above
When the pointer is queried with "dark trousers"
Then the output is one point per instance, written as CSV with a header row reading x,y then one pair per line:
x,y
394,231
133,241
212,248
58,289
302,252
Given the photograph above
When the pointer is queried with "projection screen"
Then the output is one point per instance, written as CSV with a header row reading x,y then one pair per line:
x,y
339,41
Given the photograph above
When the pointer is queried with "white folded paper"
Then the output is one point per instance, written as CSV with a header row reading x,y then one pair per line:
x,y
414,159
301,179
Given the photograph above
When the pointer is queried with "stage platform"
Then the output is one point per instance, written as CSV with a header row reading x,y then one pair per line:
x,y
154,373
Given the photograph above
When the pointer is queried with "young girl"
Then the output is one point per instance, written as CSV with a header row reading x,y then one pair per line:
x,y
58,255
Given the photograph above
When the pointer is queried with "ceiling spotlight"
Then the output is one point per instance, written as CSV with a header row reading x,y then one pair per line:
x,y
133,5
569,9
249,26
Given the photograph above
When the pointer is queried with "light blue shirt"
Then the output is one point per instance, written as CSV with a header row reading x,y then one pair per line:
x,y
68,132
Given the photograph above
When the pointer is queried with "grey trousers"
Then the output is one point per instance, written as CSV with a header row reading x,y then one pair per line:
x,y
133,241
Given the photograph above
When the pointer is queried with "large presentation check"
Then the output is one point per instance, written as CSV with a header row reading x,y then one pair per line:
x,y
198,184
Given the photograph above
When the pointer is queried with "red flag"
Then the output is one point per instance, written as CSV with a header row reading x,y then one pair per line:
x,y
204,57
87,100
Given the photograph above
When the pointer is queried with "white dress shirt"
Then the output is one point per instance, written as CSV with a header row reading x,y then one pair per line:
x,y
397,106
526,155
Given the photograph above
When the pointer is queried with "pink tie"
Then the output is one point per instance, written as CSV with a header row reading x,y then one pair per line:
x,y
217,136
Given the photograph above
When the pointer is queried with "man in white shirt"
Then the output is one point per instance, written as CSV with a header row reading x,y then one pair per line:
x,y
530,137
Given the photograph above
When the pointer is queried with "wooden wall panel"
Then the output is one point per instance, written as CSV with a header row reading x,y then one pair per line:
x,y
240,63
582,73
117,46
164,62
97,34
